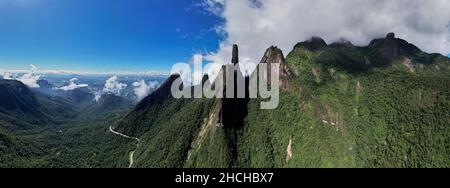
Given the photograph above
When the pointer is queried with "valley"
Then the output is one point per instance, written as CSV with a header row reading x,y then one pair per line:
x,y
131,157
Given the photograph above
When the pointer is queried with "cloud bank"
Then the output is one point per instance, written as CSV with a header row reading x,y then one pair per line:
x,y
72,85
30,78
112,86
143,89
257,24
6,75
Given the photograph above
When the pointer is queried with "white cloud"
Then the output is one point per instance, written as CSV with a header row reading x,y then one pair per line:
x,y
30,78
257,24
6,75
72,85
98,95
142,89
112,86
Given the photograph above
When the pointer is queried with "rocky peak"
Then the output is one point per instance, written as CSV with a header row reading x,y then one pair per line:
x,y
342,43
235,55
386,47
231,111
390,35
275,55
205,78
313,44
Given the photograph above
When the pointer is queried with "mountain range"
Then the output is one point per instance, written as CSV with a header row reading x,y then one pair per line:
x,y
382,105
341,105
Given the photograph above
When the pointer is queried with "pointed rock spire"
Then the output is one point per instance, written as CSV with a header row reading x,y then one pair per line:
x,y
235,55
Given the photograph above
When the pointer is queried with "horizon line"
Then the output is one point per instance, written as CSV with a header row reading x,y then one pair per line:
x,y
80,72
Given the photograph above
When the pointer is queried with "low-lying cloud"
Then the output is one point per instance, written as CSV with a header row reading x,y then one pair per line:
x,y
72,85
143,89
112,86
6,75
29,78
257,24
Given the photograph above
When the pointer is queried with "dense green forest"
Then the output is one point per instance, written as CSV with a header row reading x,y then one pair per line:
x,y
166,127
77,144
382,105
385,117
346,106
83,140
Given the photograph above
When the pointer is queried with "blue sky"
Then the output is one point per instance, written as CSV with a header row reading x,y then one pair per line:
x,y
103,35
142,35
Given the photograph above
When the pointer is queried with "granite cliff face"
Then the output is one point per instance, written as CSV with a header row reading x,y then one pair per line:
x,y
230,109
274,55
386,47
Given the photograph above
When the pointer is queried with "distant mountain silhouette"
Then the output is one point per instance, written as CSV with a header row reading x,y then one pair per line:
x,y
19,103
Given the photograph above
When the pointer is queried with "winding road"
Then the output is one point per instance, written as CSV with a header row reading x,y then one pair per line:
x,y
129,137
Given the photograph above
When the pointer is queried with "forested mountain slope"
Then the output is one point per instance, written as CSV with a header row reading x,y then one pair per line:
x,y
382,105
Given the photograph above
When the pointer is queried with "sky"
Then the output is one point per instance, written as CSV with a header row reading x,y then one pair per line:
x,y
103,35
256,24
143,35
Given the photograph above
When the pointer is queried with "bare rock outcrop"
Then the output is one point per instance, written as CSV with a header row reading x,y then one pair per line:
x,y
386,47
275,55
